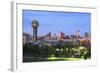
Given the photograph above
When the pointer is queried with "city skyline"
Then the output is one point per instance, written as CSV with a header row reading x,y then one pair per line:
x,y
55,22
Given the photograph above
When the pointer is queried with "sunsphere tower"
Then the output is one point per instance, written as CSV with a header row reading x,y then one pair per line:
x,y
35,25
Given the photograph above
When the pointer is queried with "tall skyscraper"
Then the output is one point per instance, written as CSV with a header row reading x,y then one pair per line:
x,y
62,35
78,33
49,34
86,35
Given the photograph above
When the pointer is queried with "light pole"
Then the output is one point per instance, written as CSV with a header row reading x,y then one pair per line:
x,y
35,25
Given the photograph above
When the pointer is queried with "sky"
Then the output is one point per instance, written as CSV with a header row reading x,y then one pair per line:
x,y
56,22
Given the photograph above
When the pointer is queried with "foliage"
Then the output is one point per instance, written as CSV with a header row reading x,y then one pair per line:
x,y
68,50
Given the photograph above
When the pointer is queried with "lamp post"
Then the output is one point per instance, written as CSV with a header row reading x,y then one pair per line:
x,y
35,25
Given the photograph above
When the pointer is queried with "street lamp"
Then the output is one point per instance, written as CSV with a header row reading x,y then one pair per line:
x,y
35,25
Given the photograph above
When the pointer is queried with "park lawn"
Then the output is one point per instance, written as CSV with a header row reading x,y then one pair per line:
x,y
67,59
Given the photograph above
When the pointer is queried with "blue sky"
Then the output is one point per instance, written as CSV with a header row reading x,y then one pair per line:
x,y
56,22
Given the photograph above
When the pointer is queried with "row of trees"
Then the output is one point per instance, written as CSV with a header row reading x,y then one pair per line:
x,y
45,50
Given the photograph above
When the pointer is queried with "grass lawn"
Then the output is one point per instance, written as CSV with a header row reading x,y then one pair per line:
x,y
67,59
